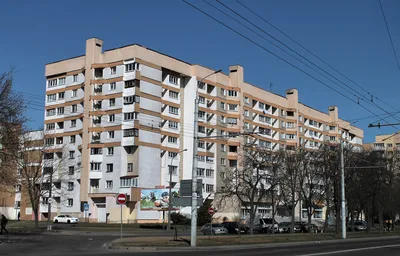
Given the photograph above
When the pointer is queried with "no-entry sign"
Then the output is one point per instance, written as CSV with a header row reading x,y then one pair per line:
x,y
121,199
211,211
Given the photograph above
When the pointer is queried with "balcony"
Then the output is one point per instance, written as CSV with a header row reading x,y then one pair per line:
x,y
96,139
98,89
97,105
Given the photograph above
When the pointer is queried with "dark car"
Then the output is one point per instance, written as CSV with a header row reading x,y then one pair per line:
x,y
284,227
359,225
233,228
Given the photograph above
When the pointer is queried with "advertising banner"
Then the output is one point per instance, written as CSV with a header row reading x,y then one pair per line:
x,y
156,199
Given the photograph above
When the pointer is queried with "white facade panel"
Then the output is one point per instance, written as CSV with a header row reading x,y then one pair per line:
x,y
150,104
151,72
150,88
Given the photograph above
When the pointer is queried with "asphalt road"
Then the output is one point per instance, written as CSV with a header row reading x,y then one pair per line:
x,y
85,244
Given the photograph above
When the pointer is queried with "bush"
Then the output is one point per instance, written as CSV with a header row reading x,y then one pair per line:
x,y
179,219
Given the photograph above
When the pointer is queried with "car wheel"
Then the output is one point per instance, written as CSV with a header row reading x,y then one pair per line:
x,y
56,221
68,221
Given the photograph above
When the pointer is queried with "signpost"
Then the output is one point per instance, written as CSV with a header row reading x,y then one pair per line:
x,y
86,209
121,200
211,211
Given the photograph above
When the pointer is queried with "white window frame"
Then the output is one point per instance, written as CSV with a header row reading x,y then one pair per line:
x,y
113,70
113,86
173,94
110,151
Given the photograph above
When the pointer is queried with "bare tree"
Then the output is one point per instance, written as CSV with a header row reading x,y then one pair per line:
x,y
248,182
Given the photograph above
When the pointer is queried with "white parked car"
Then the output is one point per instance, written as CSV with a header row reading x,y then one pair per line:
x,y
65,219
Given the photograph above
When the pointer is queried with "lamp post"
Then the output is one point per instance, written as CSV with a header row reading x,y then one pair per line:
x,y
170,189
193,230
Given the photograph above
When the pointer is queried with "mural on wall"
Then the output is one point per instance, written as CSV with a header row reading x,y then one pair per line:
x,y
156,199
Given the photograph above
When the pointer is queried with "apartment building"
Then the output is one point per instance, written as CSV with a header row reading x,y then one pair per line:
x,y
387,142
125,116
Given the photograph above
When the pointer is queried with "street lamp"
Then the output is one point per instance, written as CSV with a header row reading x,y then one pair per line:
x,y
170,189
193,234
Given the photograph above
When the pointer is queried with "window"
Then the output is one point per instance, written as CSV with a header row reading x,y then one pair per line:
x,y
113,70
109,184
232,93
131,99
173,110
200,172
202,100
290,136
111,102
172,154
51,112
332,128
222,118
48,156
59,140
173,125
201,129
232,163
131,67
201,144
131,132
110,167
73,123
246,125
52,83
95,166
96,151
49,141
222,105
61,95
70,186
75,78
110,134
131,83
51,126
113,86
233,107
60,111
264,144
209,188
61,81
223,163
72,139
51,97
246,113
210,173
74,93
111,118
246,100
130,116
128,182
201,114
173,79
223,148
70,202
17,188
110,151
71,170
301,118
173,169
201,158
232,120
74,108
172,140
71,154
264,119
130,167
173,95
332,138
290,125
223,92
264,131
389,145
201,85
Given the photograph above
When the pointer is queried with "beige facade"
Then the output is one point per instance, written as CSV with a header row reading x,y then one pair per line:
x,y
138,104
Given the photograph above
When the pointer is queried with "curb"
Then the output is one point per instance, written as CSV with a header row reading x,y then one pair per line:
x,y
110,246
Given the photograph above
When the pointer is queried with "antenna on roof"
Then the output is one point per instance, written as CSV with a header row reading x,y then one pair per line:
x,y
270,86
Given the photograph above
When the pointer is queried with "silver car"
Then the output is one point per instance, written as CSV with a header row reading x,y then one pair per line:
x,y
213,229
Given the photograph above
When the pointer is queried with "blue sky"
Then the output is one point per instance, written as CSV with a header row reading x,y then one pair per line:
x,y
350,35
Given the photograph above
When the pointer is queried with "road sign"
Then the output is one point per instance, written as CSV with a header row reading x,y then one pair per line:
x,y
86,207
122,199
211,211
186,187
50,200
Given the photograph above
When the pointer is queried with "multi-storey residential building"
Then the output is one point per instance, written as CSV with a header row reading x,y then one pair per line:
x,y
387,142
126,114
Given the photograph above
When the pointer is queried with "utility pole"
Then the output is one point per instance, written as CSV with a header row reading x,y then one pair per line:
x,y
170,190
343,190
49,201
193,230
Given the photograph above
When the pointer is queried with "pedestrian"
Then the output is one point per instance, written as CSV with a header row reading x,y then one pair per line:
x,y
3,224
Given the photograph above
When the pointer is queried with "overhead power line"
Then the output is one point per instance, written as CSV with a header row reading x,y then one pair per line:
x,y
316,56
390,36
279,57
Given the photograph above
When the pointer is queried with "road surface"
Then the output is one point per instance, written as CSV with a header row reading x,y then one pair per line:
x,y
85,244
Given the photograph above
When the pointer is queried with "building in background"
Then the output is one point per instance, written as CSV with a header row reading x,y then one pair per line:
x,y
124,115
